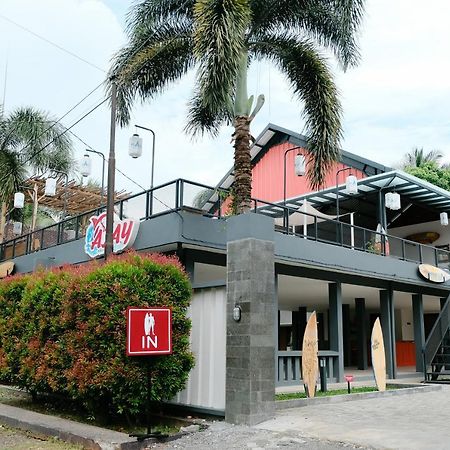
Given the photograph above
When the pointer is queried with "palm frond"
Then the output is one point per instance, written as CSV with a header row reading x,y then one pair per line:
x,y
12,174
312,81
156,57
332,24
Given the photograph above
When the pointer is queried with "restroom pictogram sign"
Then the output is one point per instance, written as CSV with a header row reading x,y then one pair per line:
x,y
149,331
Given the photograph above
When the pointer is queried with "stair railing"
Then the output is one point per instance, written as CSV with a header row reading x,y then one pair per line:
x,y
436,336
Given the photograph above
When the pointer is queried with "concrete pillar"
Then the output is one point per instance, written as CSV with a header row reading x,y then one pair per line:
x,y
419,329
298,327
361,332
336,328
250,354
387,318
346,334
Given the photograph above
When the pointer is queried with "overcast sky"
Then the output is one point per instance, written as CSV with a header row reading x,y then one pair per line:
x,y
396,99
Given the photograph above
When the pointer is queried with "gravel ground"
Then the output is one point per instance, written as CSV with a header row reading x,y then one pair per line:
x,y
223,436
12,439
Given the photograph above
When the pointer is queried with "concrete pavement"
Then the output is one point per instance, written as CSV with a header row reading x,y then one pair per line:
x,y
410,422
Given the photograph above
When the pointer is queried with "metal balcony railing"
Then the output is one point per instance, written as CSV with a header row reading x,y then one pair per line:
x,y
182,194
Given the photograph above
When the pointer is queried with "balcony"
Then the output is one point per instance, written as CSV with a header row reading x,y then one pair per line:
x,y
211,202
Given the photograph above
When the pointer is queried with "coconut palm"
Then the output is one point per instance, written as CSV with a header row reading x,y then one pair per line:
x,y
418,158
30,143
221,38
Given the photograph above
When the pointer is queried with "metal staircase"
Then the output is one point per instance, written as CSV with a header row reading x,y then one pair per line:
x,y
436,352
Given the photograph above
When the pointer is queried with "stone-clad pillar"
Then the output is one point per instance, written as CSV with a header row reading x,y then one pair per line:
x,y
250,355
336,328
387,318
361,326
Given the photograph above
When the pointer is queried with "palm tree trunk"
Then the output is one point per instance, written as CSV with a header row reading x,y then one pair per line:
x,y
242,188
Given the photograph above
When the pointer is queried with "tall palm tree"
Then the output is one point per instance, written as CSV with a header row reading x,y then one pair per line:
x,y
417,157
221,38
30,143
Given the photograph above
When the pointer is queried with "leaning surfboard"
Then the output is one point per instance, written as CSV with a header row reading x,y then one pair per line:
x,y
378,356
310,350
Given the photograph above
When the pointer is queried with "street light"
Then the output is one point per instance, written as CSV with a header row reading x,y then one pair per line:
x,y
299,168
351,187
87,165
135,151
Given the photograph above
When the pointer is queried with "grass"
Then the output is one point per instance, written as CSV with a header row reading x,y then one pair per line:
x,y
355,390
67,410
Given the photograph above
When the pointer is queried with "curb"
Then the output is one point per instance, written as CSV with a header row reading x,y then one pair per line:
x,y
407,390
89,436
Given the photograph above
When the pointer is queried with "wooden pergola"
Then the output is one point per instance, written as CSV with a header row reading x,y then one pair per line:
x,y
78,198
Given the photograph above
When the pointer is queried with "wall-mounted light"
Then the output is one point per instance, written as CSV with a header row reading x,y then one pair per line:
x,y
392,201
300,165
444,218
237,313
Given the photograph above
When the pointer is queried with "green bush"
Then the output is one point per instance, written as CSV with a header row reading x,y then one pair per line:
x,y
64,331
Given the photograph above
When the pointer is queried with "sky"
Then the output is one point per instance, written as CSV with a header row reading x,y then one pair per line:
x,y
396,99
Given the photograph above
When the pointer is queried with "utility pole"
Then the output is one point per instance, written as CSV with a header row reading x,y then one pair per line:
x,y
111,175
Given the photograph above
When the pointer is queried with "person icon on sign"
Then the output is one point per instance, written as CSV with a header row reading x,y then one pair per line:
x,y
149,324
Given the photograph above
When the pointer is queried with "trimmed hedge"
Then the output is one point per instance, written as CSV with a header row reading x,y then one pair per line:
x,y
64,331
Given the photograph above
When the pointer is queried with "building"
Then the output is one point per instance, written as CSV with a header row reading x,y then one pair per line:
x,y
299,251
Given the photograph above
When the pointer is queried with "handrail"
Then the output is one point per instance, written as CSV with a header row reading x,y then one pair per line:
x,y
436,335
259,207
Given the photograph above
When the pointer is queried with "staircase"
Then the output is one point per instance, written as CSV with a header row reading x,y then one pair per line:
x,y
436,352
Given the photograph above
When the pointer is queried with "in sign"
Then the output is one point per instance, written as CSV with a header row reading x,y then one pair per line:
x,y
149,331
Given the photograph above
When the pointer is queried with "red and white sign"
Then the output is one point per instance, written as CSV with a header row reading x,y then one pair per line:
x,y
149,331
124,234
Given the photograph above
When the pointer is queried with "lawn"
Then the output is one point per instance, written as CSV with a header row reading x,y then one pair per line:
x,y
355,390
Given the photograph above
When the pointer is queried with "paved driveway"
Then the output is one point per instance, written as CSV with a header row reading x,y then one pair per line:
x,y
410,422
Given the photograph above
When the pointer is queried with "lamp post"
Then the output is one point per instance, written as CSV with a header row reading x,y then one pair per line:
x,y
135,151
103,171
299,168
111,174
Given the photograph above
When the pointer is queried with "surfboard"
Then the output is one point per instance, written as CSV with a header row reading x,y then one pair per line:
x,y
6,269
378,356
433,274
310,351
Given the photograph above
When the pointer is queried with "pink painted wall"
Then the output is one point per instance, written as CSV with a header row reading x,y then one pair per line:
x,y
268,175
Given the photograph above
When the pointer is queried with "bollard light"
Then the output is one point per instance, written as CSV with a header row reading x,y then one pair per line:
x,y
348,379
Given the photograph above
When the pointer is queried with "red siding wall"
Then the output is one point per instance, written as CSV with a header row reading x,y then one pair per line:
x,y
268,175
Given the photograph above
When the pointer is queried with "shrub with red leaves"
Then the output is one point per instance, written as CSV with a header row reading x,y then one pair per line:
x,y
64,331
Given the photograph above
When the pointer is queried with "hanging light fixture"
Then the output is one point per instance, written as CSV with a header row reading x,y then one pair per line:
x,y
86,166
17,228
19,200
444,219
300,165
135,146
351,185
392,201
50,187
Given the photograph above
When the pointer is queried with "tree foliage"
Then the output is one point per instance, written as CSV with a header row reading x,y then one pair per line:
x,y
433,173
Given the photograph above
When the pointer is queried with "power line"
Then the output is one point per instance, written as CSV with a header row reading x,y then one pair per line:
x,y
56,137
52,43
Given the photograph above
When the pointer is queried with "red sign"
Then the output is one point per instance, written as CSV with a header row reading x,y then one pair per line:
x,y
149,331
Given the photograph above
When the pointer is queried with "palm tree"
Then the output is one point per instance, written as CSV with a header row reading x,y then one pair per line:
x,y
30,143
418,158
221,38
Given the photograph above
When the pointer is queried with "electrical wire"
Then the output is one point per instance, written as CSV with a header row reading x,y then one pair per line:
x,y
48,41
